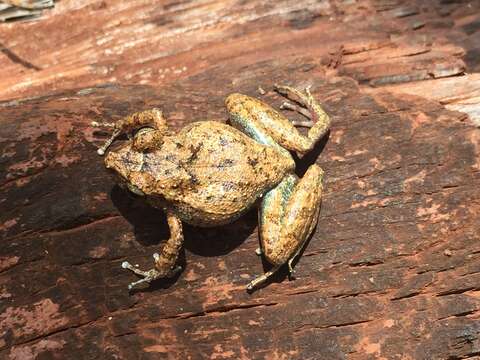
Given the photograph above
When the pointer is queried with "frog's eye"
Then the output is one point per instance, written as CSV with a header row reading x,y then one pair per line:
x,y
147,138
135,190
142,130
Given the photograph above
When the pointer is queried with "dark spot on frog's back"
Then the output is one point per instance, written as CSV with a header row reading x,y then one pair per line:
x,y
194,151
170,157
226,163
146,167
194,179
252,162
223,141
228,185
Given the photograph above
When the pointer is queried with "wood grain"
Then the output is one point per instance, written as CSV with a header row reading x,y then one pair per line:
x,y
392,270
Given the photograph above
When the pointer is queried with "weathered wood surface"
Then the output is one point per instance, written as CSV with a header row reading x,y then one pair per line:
x,y
21,10
150,42
392,270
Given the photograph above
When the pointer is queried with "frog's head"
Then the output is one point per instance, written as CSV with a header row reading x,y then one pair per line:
x,y
126,164
126,161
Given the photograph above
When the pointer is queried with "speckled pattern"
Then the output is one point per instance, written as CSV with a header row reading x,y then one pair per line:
x,y
210,173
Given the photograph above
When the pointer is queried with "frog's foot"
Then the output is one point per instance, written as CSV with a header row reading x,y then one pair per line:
x,y
149,275
116,133
164,263
305,98
263,278
102,124
291,270
319,120
289,106
255,283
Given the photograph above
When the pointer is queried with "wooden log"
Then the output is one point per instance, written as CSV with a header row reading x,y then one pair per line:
x,y
20,10
392,270
377,42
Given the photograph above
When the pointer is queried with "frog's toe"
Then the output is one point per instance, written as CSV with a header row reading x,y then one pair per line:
x,y
175,271
260,280
135,283
148,276
306,123
127,265
291,270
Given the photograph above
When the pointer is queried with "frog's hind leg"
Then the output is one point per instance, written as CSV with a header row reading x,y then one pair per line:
x,y
165,262
254,116
287,217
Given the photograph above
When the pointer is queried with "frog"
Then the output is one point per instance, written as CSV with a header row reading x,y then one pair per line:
x,y
210,173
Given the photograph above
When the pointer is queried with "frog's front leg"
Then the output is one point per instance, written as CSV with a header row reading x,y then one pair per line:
x,y
165,262
287,217
148,127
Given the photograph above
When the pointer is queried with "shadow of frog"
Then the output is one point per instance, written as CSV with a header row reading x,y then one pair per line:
x,y
151,228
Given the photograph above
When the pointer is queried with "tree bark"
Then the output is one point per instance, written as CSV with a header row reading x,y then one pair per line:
x,y
392,269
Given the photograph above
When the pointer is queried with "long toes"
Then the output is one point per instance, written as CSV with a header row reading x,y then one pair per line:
x,y
291,93
175,271
135,283
108,142
307,91
306,124
257,282
127,265
102,124
288,106
249,287
291,274
282,89
301,110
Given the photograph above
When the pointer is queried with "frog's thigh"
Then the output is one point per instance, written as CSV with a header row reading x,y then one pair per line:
x,y
289,214
263,123
253,116
242,121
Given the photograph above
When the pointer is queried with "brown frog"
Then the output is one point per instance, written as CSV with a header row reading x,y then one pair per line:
x,y
210,173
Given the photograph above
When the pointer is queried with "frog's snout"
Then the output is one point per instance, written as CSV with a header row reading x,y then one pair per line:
x,y
123,161
110,159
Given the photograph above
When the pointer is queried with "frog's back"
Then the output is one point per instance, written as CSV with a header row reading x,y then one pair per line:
x,y
228,172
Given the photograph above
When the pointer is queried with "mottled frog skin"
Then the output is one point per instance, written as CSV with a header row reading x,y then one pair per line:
x,y
210,173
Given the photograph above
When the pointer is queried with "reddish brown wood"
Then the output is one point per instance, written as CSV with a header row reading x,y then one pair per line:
x,y
82,43
392,270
